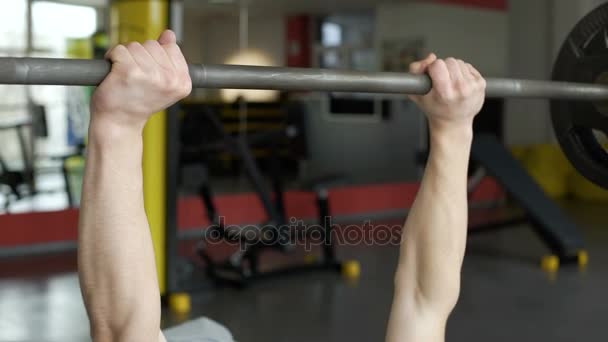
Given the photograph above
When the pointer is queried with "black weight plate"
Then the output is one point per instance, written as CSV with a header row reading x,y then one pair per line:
x,y
584,58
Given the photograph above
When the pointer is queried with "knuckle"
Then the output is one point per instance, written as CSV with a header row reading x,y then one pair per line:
x,y
465,91
186,88
171,84
150,42
462,86
133,45
132,76
445,95
437,65
451,96
187,82
119,48
175,47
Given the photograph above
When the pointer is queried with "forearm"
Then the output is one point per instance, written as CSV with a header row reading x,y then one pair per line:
x,y
434,238
115,256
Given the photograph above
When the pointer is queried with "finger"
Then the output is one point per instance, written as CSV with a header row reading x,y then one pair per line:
x,y
454,70
141,56
120,55
420,67
466,72
176,56
415,67
477,76
167,37
168,41
440,75
474,71
158,53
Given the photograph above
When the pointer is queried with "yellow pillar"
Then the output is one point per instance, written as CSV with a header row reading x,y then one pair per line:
x,y
140,20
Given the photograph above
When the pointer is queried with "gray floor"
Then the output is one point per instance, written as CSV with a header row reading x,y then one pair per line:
x,y
505,297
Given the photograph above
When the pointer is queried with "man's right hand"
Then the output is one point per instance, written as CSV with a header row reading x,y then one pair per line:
x,y
145,79
457,95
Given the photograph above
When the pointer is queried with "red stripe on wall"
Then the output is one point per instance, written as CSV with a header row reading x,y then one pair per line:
x,y
501,5
42,227
61,226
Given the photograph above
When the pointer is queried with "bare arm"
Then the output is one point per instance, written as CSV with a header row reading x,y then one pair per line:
x,y
427,281
115,255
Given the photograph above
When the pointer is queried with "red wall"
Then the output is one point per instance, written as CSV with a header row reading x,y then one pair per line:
x,y
62,226
299,41
501,5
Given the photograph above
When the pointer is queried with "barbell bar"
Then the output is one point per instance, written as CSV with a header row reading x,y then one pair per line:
x,y
82,72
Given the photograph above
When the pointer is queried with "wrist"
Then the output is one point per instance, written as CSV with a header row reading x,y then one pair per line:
x,y
452,140
458,132
104,129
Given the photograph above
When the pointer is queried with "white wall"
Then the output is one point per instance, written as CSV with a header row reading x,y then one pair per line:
x,y
530,56
214,39
476,35
221,38
193,36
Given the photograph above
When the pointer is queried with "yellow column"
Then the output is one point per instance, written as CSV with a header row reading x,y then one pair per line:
x,y
140,20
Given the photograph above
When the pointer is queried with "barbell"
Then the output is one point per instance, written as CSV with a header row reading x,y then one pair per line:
x,y
579,89
86,72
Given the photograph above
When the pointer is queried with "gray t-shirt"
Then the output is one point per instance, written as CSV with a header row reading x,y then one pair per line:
x,y
199,330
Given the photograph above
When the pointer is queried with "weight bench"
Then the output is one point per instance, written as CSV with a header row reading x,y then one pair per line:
x,y
277,234
554,227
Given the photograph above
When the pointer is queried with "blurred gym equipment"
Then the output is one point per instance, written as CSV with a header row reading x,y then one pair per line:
x,y
278,233
579,125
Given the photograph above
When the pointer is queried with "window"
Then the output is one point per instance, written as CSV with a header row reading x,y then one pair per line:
x,y
12,26
55,26
54,23
331,34
346,42
12,98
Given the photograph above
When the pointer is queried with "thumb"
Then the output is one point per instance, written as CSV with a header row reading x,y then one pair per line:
x,y
167,37
420,67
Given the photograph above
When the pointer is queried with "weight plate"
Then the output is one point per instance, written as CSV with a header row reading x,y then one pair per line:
x,y
584,58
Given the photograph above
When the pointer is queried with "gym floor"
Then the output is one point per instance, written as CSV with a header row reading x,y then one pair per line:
x,y
505,296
